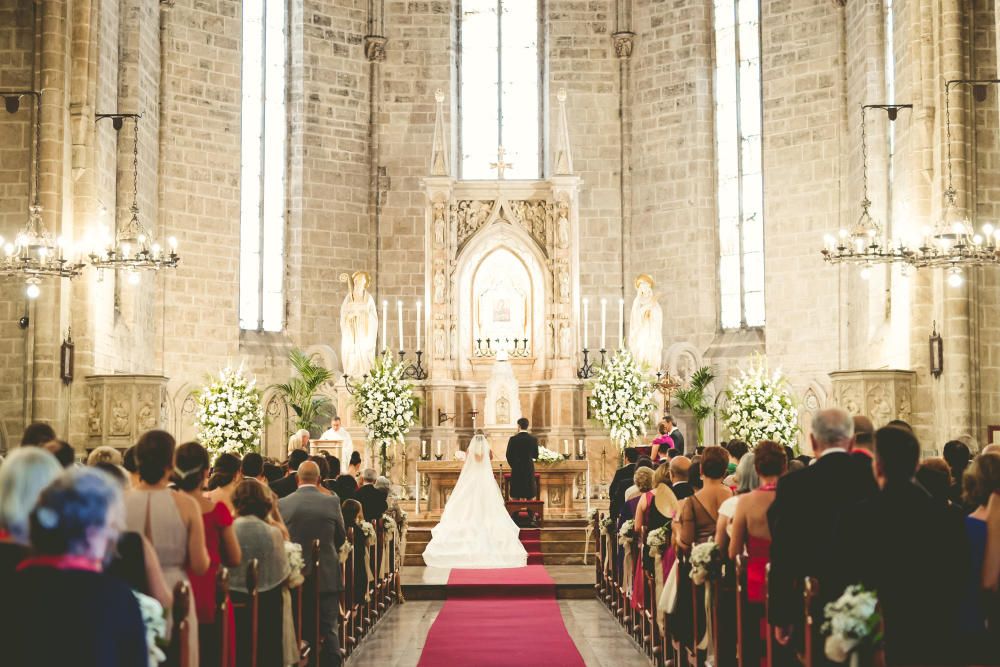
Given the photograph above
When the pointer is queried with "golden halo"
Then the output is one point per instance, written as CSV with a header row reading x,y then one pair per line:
x,y
644,278
367,276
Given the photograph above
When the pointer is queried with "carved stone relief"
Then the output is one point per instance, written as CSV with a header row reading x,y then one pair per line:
x,y
122,407
881,395
469,216
534,217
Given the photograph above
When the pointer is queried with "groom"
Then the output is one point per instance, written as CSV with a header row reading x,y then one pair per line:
x,y
522,450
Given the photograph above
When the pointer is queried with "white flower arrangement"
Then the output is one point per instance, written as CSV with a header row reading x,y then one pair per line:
x,y
659,539
390,527
368,530
546,455
626,534
622,399
296,563
384,402
760,407
156,627
460,455
706,562
606,524
591,515
851,620
229,417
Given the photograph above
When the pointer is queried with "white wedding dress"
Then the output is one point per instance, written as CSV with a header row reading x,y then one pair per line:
x,y
475,530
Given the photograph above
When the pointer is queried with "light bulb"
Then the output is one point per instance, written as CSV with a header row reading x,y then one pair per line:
x,y
829,241
156,250
987,230
958,229
172,242
133,277
43,252
126,249
843,233
142,239
955,278
9,249
866,272
977,239
32,291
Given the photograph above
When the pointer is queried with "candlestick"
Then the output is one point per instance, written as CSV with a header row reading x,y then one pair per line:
x,y
439,448
385,319
419,313
582,451
566,448
423,448
399,322
621,324
604,323
586,311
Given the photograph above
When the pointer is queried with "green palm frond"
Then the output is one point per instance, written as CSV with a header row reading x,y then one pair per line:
x,y
301,392
693,397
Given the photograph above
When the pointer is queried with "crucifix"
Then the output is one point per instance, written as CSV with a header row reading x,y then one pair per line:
x,y
500,165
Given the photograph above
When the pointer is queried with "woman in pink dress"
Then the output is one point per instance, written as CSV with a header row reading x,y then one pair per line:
x,y
190,472
752,537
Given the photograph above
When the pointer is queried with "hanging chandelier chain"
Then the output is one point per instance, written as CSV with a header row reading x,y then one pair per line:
x,y
135,164
950,190
864,159
38,149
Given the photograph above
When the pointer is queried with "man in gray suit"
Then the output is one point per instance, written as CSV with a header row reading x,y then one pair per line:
x,y
311,515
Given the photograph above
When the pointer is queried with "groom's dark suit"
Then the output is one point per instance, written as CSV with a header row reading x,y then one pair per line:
x,y
522,450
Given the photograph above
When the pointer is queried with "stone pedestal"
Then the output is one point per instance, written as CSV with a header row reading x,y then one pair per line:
x,y
120,408
881,395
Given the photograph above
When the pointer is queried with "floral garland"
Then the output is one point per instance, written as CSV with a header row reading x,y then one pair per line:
x,y
296,563
760,407
622,399
706,562
546,455
229,417
155,622
851,620
384,402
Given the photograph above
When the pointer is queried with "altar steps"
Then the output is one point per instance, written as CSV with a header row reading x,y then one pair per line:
x,y
560,541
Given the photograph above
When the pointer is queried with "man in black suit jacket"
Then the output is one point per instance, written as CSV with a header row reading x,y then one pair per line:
x,y
373,500
675,434
522,450
680,466
286,485
622,480
912,550
806,516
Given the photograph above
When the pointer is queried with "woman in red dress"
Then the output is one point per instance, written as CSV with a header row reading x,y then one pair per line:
x,y
752,536
191,472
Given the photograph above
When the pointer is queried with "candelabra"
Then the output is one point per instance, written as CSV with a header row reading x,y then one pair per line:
x,y
488,347
414,371
587,370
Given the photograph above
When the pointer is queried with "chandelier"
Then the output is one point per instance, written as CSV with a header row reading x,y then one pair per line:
x,y
34,254
953,242
132,249
865,243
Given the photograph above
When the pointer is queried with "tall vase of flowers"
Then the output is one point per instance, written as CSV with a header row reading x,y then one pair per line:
x,y
622,399
229,417
385,404
760,407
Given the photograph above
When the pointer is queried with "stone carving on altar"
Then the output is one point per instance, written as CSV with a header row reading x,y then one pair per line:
x,y
439,342
502,393
881,395
469,216
533,217
565,340
562,225
563,284
439,224
645,331
358,325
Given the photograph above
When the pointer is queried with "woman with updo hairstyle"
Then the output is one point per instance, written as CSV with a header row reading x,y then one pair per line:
x,y
190,473
168,519
353,516
60,607
647,514
261,541
226,474
354,465
981,486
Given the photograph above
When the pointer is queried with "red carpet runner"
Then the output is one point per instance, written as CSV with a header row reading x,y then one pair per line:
x,y
531,538
500,618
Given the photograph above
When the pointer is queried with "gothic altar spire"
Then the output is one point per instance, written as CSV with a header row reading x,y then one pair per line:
x,y
562,163
439,146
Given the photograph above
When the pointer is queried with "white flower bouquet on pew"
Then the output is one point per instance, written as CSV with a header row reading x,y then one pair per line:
x,y
706,562
658,540
154,619
852,621
606,524
368,530
296,563
626,534
390,527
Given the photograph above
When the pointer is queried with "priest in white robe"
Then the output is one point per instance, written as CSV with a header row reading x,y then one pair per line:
x,y
335,433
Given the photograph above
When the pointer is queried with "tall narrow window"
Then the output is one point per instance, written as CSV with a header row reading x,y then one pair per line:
x,y
499,94
738,162
262,177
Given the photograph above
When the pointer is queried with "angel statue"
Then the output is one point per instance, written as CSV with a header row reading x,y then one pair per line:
x,y
358,325
645,327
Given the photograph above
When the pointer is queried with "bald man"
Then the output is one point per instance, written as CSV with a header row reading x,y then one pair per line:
x,y
680,469
312,515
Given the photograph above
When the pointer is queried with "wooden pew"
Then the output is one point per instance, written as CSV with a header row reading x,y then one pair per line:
x,y
315,637
252,608
811,626
222,616
181,634
769,643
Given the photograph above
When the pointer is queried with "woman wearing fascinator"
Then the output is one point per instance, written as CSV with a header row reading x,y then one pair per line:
x,y
475,530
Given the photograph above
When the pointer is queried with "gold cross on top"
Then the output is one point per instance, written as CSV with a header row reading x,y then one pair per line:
x,y
500,165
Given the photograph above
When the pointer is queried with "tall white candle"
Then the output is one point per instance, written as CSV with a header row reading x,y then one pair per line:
x,y
588,488
581,447
419,313
604,323
586,311
621,324
385,320
439,448
423,448
418,493
565,447
399,322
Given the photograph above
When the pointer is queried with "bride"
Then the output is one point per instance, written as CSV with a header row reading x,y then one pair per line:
x,y
475,530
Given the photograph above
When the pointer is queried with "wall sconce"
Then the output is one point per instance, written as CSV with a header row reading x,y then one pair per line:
x,y
444,417
67,358
937,352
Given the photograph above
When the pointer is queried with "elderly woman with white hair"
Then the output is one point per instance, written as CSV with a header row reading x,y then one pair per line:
x,y
61,608
23,476
298,440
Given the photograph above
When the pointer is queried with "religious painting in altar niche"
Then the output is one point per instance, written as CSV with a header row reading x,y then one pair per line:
x,y
501,293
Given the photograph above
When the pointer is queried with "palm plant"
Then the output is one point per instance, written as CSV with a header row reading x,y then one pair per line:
x,y
693,398
302,391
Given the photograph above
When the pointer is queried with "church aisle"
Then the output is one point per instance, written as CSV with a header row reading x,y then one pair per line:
x,y
400,637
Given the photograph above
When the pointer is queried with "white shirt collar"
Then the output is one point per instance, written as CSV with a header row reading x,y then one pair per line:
x,y
829,450
313,486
